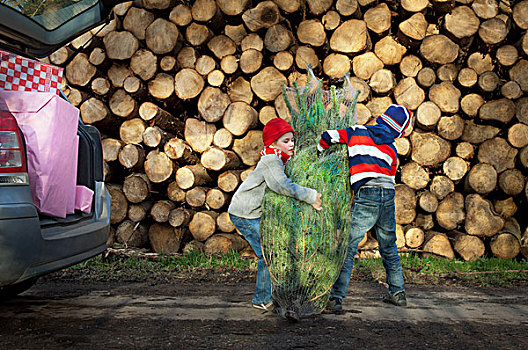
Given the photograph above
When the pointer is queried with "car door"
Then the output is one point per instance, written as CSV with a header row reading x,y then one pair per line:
x,y
36,28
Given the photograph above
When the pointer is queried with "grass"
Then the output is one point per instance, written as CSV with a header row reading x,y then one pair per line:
x,y
484,272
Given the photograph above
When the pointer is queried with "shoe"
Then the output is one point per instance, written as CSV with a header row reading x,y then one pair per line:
x,y
397,299
334,305
266,307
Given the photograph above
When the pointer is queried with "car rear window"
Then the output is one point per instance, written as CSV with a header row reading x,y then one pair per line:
x,y
50,14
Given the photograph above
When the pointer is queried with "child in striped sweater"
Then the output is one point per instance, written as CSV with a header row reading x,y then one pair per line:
x,y
372,163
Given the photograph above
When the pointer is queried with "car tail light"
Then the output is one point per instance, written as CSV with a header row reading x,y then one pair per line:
x,y
13,168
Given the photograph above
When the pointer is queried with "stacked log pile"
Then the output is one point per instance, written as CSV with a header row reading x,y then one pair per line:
x,y
181,91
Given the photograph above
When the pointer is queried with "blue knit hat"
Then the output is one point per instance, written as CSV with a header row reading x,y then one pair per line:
x,y
397,118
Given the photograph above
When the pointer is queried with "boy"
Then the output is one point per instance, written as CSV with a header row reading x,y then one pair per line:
x,y
245,208
372,166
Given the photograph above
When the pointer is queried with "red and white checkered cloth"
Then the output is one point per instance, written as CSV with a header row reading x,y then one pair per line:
x,y
23,74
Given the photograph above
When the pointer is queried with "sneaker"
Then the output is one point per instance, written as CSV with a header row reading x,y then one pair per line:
x,y
397,299
334,305
266,307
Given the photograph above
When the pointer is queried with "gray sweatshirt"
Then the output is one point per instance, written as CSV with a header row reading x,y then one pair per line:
x,y
247,200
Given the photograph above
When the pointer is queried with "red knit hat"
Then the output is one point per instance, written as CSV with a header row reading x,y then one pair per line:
x,y
274,129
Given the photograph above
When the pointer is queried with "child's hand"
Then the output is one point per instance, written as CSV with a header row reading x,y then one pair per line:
x,y
318,205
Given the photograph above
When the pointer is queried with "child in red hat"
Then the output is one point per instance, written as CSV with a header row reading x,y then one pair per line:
x,y
245,209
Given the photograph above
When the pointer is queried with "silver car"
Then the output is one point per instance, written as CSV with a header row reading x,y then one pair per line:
x,y
32,245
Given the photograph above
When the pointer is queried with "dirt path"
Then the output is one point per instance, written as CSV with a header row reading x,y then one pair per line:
x,y
214,314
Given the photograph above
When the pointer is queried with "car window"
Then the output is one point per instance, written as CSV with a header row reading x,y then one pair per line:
x,y
50,14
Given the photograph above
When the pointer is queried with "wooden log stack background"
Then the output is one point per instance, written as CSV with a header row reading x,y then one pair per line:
x,y
181,90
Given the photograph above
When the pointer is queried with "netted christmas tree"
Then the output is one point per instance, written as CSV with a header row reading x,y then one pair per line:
x,y
304,248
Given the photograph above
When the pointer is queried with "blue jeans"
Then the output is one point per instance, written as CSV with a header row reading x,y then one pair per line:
x,y
249,228
373,207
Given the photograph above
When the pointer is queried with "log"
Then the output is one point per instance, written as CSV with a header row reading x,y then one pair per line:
x,y
288,6
480,219
157,4
482,178
155,115
136,188
203,225
493,31
188,83
60,56
218,159
378,18
511,182
138,212
158,166
223,138
175,193
518,135
161,36
480,62
224,223
122,104
221,243
518,74
264,15
137,20
232,7
438,244
331,19
426,77
165,239
507,55
267,83
488,82
205,65
447,72
212,104
524,243
132,234
413,29
414,176
161,209
187,57
119,45
498,153
283,60
93,110
469,247
199,134
192,175
441,186
425,221
378,105
167,63
414,237
80,71
485,9
240,91
465,150
450,212
153,137
471,103
427,115
244,174
389,50
361,86
451,128
221,46
118,73
403,146
428,201
195,197
350,37
119,205
382,81
364,115
505,245
438,49
101,86
366,64
462,22
131,131
523,157
248,148
203,10
428,149
410,65
475,133
197,34
239,118
467,77
250,61
111,148
511,90
505,208
194,247
311,32
229,180
455,168
180,15
134,87
180,216
229,64
216,199
405,204
446,96
162,86
131,157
